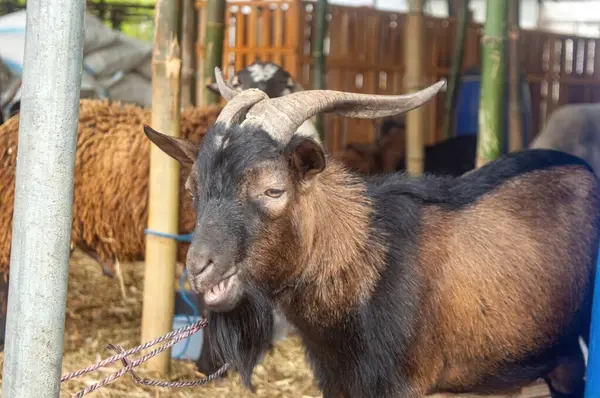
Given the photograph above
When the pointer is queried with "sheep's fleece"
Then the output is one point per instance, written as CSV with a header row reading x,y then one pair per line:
x,y
110,209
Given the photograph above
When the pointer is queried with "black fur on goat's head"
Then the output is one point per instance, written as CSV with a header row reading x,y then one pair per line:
x,y
268,77
251,176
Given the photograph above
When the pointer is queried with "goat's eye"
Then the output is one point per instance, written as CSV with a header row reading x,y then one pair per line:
x,y
274,193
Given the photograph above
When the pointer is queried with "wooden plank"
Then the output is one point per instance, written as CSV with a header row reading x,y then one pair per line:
x,y
240,38
278,35
266,20
252,35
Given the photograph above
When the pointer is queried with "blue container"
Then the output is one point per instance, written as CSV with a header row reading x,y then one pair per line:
x,y
186,312
467,107
592,377
194,342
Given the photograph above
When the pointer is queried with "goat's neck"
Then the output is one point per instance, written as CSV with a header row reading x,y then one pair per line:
x,y
340,263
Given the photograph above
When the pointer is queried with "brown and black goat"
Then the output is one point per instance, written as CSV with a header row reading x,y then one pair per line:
x,y
398,286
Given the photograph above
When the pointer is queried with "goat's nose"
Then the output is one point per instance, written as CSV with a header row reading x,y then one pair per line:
x,y
198,260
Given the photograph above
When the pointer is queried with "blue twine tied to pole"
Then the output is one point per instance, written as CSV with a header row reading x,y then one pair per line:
x,y
182,293
178,238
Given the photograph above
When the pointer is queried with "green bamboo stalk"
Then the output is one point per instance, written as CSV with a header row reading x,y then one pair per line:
x,y
213,45
319,57
493,83
457,63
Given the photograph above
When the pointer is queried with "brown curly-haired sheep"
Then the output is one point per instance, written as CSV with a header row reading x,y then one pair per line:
x,y
110,208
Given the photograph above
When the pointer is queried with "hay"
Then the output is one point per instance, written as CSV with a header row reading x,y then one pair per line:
x,y
98,314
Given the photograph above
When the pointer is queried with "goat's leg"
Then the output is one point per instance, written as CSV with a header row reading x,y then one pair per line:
x,y
566,380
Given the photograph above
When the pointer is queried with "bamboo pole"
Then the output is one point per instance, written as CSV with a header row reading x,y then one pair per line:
x,y
457,63
319,57
200,8
493,82
213,45
515,138
188,53
163,200
413,81
43,202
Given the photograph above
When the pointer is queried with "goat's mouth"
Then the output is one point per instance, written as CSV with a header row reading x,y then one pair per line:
x,y
222,295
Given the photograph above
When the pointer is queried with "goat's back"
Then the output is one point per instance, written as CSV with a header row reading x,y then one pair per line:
x,y
505,260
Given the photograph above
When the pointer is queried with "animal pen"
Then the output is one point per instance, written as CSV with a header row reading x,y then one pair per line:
x,y
365,54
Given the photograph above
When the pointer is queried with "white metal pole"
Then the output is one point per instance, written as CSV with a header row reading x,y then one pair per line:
x,y
43,198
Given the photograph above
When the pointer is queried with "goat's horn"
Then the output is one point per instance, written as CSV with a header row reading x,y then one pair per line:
x,y
226,90
235,110
282,116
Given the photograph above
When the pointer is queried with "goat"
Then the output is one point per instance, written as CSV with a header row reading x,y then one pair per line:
x,y
268,77
274,81
575,129
398,286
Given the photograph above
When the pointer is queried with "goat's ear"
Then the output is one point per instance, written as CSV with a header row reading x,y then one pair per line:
x,y
180,149
213,88
306,157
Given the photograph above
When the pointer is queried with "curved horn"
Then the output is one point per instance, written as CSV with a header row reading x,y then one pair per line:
x,y
235,110
226,90
282,116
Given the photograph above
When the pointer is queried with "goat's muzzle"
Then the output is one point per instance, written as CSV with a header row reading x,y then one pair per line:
x,y
215,277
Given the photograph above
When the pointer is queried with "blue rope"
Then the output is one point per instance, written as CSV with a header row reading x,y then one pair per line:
x,y
179,238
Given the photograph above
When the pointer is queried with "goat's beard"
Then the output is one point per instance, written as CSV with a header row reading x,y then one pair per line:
x,y
241,336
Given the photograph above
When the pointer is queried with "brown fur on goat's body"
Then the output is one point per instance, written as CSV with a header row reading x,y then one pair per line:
x,y
400,287
110,192
487,304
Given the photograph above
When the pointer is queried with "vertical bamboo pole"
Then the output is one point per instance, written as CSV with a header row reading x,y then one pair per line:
x,y
200,8
43,202
515,138
457,63
188,53
414,42
319,57
163,200
213,45
493,82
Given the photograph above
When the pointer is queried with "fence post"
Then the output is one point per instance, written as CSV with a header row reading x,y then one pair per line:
x,y
592,377
43,198
414,40
163,196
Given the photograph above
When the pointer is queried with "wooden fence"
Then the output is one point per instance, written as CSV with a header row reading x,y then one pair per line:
x,y
364,49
